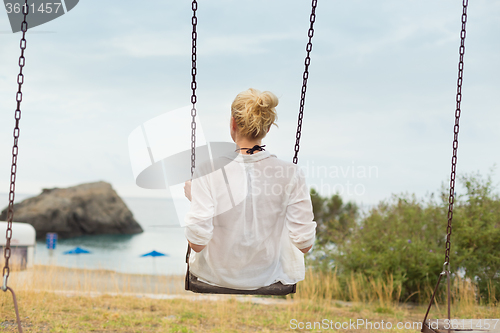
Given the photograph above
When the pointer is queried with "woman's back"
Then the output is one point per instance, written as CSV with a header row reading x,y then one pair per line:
x,y
253,213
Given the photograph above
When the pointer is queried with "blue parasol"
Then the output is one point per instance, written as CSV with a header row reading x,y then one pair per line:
x,y
155,254
76,250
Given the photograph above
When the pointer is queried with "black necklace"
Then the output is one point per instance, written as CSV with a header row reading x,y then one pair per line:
x,y
253,149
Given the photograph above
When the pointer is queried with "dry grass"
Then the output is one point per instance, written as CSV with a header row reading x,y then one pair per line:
x,y
53,278
104,303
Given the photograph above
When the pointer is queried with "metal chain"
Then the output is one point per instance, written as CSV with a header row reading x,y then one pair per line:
x,y
451,200
305,76
13,169
194,36
456,128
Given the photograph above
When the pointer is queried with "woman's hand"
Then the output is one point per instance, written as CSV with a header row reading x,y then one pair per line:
x,y
196,248
306,249
187,189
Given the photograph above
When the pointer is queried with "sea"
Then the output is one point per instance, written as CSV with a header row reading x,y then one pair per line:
x,y
123,253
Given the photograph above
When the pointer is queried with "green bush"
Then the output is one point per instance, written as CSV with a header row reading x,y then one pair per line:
x,y
405,237
476,234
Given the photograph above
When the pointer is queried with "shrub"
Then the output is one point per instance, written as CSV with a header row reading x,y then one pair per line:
x,y
476,234
404,237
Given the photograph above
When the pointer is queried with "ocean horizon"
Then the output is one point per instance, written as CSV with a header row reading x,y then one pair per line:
x,y
122,253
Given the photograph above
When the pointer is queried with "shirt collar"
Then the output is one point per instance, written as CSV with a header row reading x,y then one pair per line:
x,y
255,157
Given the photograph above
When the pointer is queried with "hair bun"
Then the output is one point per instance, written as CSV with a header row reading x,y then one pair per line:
x,y
255,112
267,100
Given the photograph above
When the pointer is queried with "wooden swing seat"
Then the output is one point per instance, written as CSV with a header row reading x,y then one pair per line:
x,y
276,289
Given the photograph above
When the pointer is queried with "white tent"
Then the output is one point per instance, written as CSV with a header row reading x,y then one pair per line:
x,y
22,243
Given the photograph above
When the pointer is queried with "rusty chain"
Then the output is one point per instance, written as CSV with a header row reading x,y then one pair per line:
x,y
13,169
456,128
305,76
451,199
194,36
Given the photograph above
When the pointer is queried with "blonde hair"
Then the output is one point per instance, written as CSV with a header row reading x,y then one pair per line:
x,y
254,112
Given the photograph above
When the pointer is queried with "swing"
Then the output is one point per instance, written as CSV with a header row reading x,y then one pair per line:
x,y
192,283
446,266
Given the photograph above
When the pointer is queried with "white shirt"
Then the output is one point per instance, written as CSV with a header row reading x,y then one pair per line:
x,y
253,213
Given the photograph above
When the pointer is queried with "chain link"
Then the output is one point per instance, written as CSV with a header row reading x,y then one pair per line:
x,y
456,128
13,169
194,36
305,76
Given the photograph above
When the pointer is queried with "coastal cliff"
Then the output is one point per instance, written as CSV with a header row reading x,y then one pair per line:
x,y
86,209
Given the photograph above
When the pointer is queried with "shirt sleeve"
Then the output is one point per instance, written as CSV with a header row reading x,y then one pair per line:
x,y
199,219
299,213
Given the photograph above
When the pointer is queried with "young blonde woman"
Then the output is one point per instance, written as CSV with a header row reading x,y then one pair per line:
x,y
250,221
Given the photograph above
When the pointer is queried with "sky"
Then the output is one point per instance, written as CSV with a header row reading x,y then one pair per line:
x,y
380,102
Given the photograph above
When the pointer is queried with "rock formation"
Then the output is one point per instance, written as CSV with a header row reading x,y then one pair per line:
x,y
86,209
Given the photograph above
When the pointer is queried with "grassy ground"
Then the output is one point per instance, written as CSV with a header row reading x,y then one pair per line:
x,y
47,304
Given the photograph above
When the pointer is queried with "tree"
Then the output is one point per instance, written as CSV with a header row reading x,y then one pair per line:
x,y
335,219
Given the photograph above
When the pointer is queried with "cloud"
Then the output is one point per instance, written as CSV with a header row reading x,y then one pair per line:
x,y
150,44
168,44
